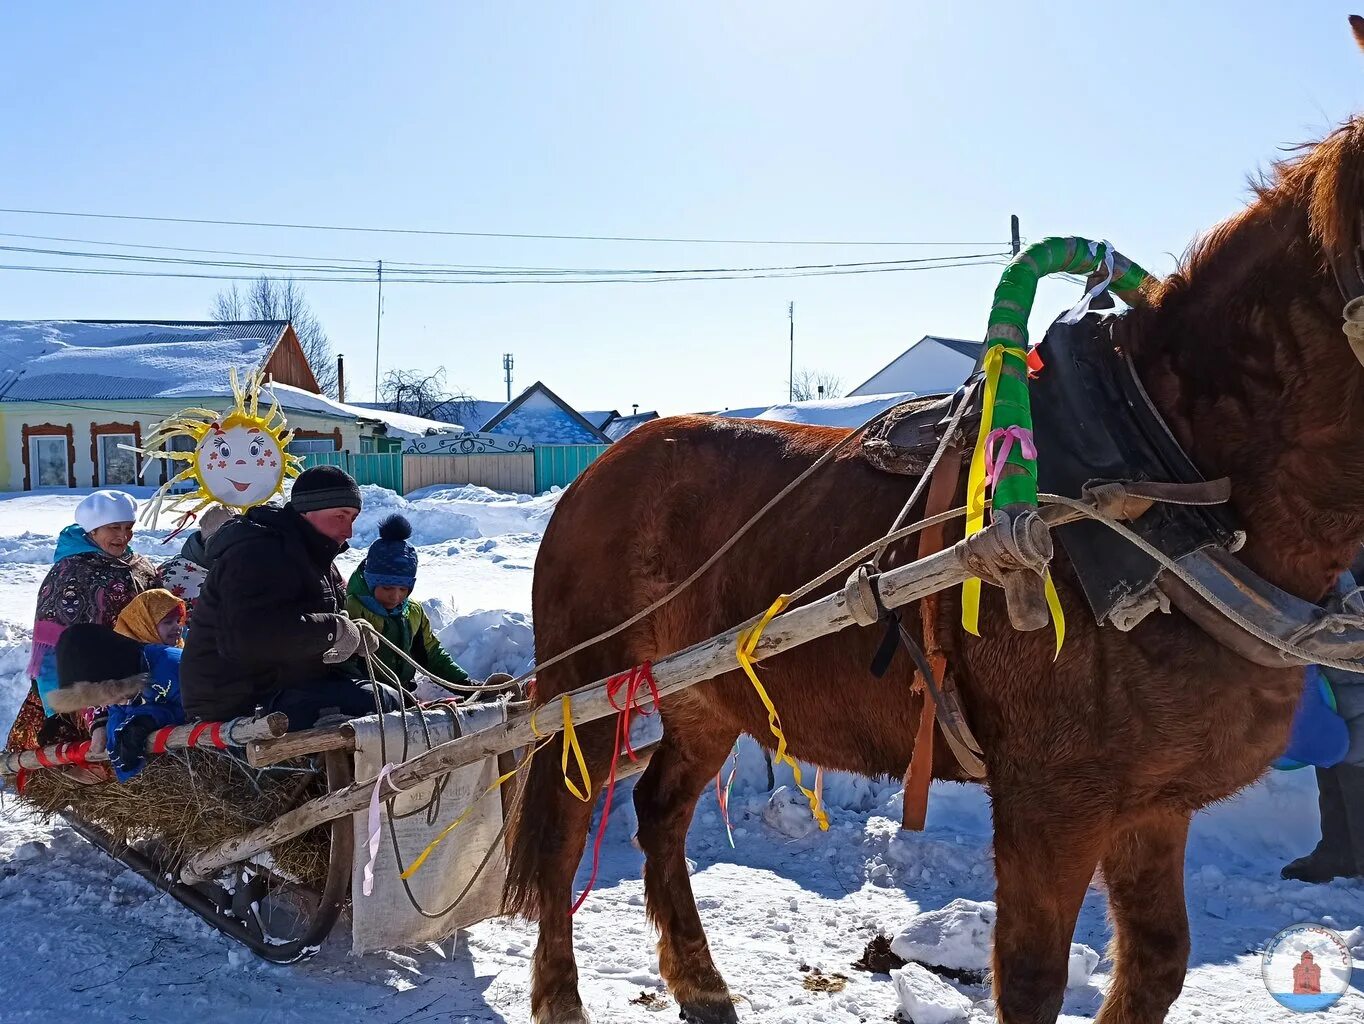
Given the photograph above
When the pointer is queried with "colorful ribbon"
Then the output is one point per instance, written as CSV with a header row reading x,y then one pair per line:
x,y
748,644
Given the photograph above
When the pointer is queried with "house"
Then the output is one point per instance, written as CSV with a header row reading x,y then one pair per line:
x,y
541,417
619,426
852,411
932,365
537,416
76,394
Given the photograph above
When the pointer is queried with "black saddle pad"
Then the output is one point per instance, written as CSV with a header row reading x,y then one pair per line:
x,y
1093,423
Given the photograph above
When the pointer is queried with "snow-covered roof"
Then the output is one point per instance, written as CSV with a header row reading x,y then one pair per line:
x,y
831,412
399,424
467,414
622,425
599,418
65,360
542,417
932,365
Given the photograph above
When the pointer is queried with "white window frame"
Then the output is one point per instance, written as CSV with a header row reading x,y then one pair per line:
x,y
35,464
128,439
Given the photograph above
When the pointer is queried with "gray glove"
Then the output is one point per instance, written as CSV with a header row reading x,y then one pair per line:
x,y
345,638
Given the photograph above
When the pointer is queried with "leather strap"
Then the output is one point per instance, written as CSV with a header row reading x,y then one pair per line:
x,y
942,491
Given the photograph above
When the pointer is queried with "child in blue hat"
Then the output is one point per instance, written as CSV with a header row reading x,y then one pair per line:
x,y
380,593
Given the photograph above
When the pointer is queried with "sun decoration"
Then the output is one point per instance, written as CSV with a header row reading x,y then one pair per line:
x,y
238,459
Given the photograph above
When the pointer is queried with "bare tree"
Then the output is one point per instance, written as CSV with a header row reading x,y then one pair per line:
x,y
270,299
425,395
809,385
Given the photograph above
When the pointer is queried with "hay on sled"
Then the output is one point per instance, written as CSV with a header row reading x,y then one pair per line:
x,y
192,800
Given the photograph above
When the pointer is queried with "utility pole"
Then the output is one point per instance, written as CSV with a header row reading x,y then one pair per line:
x,y
791,380
378,322
507,363
1013,231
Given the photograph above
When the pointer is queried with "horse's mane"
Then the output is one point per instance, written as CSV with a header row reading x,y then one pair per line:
x,y
1319,187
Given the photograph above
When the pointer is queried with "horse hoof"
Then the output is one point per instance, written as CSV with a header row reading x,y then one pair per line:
x,y
562,1015
709,1012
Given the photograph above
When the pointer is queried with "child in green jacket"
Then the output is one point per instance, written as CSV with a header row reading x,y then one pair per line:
x,y
379,592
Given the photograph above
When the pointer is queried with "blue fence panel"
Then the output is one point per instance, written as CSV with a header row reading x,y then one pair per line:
x,y
559,465
384,469
341,459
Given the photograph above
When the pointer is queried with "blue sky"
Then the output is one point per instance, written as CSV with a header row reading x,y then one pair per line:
x,y
897,121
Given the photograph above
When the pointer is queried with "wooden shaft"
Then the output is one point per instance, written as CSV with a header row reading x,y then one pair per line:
x,y
695,664
238,732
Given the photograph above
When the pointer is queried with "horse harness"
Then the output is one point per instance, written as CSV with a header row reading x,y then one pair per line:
x,y
1097,426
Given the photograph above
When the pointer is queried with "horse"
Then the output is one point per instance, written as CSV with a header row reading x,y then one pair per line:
x,y
1096,757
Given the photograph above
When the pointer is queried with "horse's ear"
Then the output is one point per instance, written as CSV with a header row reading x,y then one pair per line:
x,y
1357,26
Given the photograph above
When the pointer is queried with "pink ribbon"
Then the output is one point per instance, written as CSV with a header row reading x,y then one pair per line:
x,y
1005,437
375,828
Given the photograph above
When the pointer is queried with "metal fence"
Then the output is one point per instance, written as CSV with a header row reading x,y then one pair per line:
x,y
559,465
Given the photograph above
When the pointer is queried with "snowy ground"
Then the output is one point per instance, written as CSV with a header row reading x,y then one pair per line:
x,y
90,941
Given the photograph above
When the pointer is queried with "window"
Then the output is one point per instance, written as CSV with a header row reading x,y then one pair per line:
x,y
311,446
49,461
117,465
171,469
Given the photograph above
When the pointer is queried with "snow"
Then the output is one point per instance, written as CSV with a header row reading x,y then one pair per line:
x,y
927,999
957,936
54,359
99,944
831,412
399,424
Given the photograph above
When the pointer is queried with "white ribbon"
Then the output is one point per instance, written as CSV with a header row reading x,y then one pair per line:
x,y
375,830
1082,307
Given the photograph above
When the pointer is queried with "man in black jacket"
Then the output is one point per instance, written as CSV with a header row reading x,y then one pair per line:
x,y
270,628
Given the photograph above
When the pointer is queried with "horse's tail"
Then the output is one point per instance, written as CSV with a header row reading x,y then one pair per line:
x,y
543,832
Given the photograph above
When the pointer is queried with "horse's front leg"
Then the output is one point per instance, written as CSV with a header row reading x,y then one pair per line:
x,y
1047,844
1144,871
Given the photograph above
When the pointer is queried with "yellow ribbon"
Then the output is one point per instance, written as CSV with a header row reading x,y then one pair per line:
x,y
748,644
975,500
498,783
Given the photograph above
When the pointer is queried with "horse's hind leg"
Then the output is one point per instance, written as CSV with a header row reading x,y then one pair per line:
x,y
1047,845
1144,871
665,798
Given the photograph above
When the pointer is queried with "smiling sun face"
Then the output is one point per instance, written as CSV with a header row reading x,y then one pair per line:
x,y
240,464
239,459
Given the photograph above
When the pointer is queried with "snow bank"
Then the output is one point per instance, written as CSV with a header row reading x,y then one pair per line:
x,y
1270,823
927,999
487,641
447,513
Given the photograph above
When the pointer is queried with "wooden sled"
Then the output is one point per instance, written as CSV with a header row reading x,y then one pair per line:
x,y
278,917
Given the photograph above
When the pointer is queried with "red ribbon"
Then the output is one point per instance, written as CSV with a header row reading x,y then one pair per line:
x,y
640,675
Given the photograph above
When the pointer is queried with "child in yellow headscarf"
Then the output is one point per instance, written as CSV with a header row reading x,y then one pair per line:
x,y
153,617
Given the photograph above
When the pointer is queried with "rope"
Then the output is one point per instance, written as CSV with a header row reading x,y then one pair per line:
x,y
957,415
708,563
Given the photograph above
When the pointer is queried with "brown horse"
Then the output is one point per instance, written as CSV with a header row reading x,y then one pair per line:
x,y
1096,760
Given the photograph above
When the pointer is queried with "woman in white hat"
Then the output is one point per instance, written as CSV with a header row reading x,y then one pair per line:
x,y
93,578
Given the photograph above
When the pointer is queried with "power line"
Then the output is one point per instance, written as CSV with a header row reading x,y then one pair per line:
x,y
654,277
476,270
475,234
